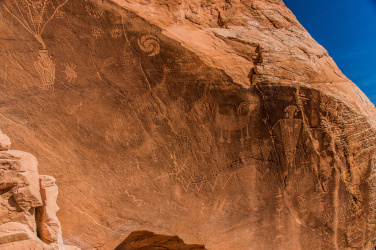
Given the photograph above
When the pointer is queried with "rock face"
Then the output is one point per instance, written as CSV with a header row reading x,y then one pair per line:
x,y
222,122
148,240
4,142
48,225
28,204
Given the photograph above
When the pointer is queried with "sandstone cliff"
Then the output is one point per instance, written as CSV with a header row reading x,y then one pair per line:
x,y
222,122
28,203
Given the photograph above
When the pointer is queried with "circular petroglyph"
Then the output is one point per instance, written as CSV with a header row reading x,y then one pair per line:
x,y
150,45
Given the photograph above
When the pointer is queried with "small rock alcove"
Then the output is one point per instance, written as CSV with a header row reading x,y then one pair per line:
x,y
149,240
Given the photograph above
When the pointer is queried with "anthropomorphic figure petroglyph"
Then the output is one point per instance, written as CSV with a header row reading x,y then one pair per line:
x,y
46,69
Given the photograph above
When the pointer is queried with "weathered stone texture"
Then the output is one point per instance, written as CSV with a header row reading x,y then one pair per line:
x,y
4,142
222,122
27,204
148,240
48,225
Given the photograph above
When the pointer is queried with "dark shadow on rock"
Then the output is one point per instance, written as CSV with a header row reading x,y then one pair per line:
x,y
148,241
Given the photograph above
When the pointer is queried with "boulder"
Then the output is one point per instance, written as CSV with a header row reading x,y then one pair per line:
x,y
19,185
15,236
14,231
34,244
4,142
48,225
27,205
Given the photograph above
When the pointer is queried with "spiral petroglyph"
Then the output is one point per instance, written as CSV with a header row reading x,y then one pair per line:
x,y
150,45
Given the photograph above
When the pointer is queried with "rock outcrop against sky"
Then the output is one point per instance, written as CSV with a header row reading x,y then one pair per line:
x,y
221,122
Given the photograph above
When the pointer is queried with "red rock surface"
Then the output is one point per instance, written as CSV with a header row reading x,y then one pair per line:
x,y
222,122
148,240
27,204
48,225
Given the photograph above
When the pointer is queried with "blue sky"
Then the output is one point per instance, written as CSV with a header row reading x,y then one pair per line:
x,y
347,29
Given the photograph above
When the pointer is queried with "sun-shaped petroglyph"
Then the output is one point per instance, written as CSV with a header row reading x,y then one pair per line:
x,y
70,72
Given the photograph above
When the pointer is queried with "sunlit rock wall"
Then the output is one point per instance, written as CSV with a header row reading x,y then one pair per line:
x,y
222,122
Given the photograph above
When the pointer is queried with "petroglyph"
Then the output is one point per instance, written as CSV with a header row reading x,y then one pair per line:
x,y
302,201
133,198
150,45
60,14
253,163
290,133
46,69
154,155
34,16
279,238
229,118
191,179
95,8
70,72
96,31
116,32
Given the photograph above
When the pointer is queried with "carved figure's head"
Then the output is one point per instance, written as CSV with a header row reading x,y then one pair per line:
x,y
43,57
291,111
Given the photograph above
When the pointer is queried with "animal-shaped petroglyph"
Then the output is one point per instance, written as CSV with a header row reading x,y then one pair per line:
x,y
96,31
34,15
46,69
150,45
70,72
229,118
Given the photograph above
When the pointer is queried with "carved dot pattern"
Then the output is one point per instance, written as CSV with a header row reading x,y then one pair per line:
x,y
150,45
